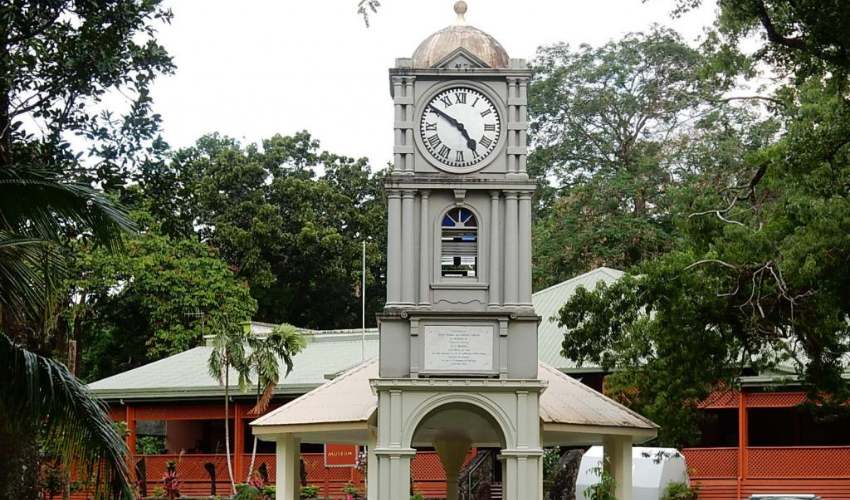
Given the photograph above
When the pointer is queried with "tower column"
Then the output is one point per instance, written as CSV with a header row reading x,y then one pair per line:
x,y
522,474
408,250
424,249
524,260
511,248
495,263
393,247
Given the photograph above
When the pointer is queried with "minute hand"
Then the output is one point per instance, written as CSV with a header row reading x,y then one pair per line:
x,y
470,143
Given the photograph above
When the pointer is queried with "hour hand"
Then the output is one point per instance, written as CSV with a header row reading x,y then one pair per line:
x,y
470,142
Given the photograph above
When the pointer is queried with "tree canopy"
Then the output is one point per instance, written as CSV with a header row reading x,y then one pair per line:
x,y
288,217
755,279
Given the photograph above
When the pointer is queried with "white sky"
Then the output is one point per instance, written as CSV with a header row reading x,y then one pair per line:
x,y
253,68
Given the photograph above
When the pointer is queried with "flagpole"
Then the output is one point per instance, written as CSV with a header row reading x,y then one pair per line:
x,y
363,311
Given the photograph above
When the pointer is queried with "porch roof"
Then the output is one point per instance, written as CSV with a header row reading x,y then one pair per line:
x,y
566,406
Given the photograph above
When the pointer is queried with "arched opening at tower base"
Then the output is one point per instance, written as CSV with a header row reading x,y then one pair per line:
x,y
453,430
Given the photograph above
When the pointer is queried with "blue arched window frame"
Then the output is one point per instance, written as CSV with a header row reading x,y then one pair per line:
x,y
459,244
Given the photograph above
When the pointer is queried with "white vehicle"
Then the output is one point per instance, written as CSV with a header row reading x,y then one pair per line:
x,y
785,496
652,470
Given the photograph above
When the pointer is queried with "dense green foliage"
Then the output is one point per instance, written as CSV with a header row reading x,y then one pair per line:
x,y
757,273
288,217
614,130
59,59
157,297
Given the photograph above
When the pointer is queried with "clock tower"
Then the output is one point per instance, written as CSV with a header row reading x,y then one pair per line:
x,y
458,335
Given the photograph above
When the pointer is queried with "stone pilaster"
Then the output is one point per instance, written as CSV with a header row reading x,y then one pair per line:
x,y
403,100
409,261
425,231
511,249
495,253
393,247
524,260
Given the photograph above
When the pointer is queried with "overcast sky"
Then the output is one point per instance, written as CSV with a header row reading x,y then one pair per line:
x,y
253,68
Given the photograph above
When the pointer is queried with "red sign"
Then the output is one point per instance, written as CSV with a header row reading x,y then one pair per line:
x,y
340,455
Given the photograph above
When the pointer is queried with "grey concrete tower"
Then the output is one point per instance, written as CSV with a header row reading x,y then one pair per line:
x,y
458,305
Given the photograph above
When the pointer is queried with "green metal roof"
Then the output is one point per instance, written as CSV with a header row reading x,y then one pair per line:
x,y
327,354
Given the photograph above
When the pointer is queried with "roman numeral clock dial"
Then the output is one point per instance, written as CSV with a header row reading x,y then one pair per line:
x,y
460,128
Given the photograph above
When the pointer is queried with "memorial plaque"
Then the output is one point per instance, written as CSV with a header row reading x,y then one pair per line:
x,y
458,349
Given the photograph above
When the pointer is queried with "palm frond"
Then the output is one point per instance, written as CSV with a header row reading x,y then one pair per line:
x,y
284,342
23,284
39,389
39,203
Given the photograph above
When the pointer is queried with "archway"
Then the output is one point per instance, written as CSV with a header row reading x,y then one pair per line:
x,y
452,429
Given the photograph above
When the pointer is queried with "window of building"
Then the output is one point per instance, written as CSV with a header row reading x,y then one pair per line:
x,y
459,255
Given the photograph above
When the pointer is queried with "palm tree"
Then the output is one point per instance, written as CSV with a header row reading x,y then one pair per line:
x,y
37,212
229,353
282,343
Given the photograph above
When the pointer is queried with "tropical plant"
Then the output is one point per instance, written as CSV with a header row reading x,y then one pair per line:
x,y
170,481
58,60
680,491
38,394
309,492
254,490
282,344
228,352
604,489
75,426
150,445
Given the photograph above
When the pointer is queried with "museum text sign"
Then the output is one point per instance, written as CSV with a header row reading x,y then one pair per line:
x,y
458,349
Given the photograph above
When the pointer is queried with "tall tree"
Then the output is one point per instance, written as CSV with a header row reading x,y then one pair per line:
x,y
758,277
610,126
287,216
157,297
59,59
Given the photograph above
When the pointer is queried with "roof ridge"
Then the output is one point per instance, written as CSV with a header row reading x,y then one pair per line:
x,y
596,393
603,269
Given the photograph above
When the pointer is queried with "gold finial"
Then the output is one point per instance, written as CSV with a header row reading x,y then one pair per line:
x,y
460,9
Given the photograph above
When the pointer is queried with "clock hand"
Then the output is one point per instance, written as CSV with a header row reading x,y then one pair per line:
x,y
470,142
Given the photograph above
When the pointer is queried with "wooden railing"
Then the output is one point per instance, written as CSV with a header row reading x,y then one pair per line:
x,y
426,471
712,463
773,462
822,470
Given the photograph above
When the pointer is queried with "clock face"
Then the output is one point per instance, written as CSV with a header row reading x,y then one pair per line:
x,y
460,127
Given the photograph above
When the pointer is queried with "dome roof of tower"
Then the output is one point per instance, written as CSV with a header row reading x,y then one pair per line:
x,y
460,35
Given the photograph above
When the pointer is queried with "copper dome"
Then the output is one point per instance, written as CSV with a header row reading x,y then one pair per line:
x,y
460,36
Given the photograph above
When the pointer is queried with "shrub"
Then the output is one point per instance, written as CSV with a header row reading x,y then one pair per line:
x,y
679,491
309,492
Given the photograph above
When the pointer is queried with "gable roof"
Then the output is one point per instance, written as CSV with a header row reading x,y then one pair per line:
x,y
186,374
327,354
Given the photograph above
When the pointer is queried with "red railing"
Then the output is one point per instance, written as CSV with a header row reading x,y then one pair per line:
x,y
774,462
712,463
426,471
807,462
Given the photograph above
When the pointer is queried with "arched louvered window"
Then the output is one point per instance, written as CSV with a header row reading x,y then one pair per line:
x,y
459,253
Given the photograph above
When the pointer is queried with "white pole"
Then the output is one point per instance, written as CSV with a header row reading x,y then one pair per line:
x,y
363,311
